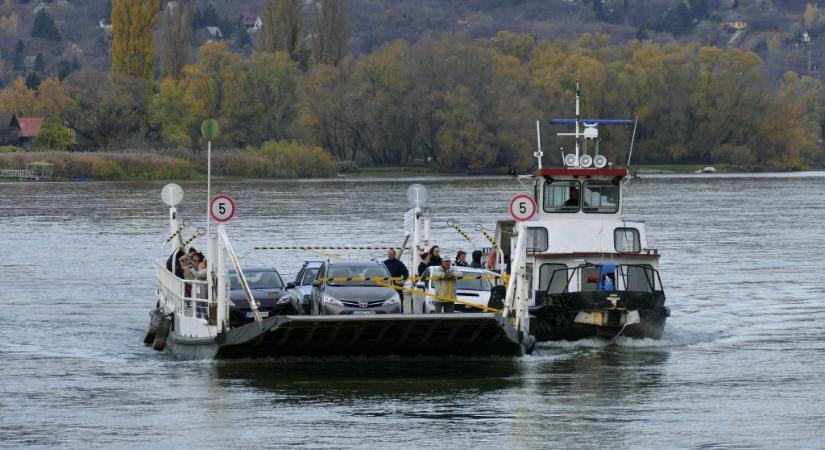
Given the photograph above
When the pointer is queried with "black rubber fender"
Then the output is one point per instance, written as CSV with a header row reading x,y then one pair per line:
x,y
162,332
154,321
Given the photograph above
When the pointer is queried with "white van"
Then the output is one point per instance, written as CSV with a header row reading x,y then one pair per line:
x,y
476,292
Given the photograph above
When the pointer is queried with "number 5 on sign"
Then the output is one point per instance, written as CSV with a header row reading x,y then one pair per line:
x,y
222,208
523,207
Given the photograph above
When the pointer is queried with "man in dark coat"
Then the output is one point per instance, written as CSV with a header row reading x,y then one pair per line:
x,y
396,269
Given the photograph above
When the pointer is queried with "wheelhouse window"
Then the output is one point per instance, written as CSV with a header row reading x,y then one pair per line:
x,y
641,278
562,196
626,240
601,197
554,277
537,240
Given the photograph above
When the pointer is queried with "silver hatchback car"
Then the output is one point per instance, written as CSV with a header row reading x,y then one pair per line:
x,y
353,297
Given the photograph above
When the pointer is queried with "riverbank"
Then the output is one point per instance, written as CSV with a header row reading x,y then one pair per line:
x,y
276,161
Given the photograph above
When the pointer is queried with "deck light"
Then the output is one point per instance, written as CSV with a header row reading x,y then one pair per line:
x,y
570,160
585,160
600,161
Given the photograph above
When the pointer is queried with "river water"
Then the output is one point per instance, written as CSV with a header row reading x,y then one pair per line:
x,y
741,365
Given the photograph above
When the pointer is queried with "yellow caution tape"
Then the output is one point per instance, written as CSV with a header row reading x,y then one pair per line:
x,y
438,297
311,248
434,278
197,234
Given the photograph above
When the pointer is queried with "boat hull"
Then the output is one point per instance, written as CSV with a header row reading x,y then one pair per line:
x,y
380,335
630,314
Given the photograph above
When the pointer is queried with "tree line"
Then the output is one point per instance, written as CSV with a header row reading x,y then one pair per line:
x,y
459,103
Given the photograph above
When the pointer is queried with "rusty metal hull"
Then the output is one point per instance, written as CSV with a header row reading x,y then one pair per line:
x,y
483,334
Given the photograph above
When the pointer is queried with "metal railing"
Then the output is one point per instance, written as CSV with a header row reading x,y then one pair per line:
x,y
626,277
189,298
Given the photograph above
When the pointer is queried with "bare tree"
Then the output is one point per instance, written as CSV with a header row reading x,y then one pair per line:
x,y
283,27
332,32
176,40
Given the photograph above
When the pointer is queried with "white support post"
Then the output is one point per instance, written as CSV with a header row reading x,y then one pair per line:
x,y
516,298
223,301
416,250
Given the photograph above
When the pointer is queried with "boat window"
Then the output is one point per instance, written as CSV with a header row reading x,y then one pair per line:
x,y
601,197
626,240
640,278
537,240
561,196
554,276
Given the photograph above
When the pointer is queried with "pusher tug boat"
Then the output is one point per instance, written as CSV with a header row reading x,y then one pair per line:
x,y
593,273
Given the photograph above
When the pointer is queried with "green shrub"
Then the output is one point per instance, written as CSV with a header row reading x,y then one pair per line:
x,y
106,169
298,160
177,169
9,149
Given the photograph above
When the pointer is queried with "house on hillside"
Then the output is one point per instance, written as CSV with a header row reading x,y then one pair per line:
x,y
29,127
252,23
9,129
734,22
215,34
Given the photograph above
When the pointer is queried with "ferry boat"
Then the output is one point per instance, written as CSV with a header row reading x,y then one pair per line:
x,y
191,318
592,272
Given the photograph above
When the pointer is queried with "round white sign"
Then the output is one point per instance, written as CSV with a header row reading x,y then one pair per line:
x,y
222,208
523,207
172,194
417,195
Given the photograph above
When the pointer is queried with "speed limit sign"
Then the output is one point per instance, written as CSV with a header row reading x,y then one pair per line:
x,y
222,208
523,207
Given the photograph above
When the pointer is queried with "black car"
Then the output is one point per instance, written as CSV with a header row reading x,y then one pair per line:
x,y
268,290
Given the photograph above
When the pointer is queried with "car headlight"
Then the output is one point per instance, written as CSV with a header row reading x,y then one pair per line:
x,y
394,300
331,301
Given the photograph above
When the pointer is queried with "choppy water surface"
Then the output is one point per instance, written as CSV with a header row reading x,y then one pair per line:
x,y
742,363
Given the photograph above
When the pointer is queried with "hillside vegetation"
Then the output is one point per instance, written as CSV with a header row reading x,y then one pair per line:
x,y
464,99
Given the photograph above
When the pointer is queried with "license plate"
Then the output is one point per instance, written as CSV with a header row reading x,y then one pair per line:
x,y
264,314
363,313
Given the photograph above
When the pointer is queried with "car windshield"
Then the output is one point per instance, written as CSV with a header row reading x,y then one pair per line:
x,y
257,279
473,285
359,271
309,275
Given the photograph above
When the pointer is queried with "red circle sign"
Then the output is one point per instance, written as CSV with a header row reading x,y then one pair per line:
x,y
523,207
222,208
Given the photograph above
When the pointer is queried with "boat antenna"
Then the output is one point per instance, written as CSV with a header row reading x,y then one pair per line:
x,y
561,149
632,141
538,154
578,115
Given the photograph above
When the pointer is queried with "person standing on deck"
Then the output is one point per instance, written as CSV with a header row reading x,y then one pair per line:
x,y
476,262
445,277
425,262
461,259
397,269
435,256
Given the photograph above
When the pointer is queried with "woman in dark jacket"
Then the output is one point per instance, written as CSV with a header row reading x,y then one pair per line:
x,y
435,256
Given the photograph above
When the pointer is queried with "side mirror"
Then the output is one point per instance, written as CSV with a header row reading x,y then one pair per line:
x,y
290,285
420,285
316,283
